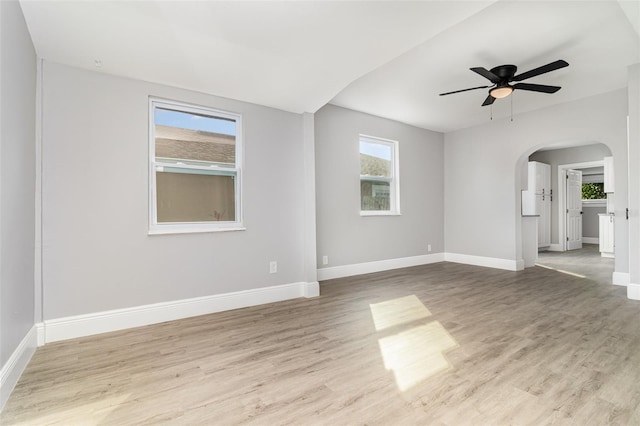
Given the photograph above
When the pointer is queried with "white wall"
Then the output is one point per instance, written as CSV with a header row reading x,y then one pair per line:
x,y
633,290
591,220
483,167
345,236
97,254
17,178
556,157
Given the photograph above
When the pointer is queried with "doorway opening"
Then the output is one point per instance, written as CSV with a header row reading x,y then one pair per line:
x,y
570,222
580,204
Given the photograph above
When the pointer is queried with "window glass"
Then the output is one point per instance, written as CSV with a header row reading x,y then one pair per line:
x,y
378,176
375,195
194,138
375,159
195,197
593,191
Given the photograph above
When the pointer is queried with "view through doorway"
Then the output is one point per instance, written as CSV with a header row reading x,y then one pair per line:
x,y
583,263
573,246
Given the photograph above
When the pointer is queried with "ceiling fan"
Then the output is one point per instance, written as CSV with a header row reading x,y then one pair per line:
x,y
502,75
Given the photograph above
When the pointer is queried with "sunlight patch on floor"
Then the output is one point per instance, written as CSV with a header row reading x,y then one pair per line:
x,y
416,352
91,413
398,311
573,274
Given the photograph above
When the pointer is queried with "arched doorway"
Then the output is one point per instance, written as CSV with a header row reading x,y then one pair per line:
x,y
557,252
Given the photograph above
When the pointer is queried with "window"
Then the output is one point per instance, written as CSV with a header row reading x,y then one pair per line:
x,y
195,167
593,191
379,193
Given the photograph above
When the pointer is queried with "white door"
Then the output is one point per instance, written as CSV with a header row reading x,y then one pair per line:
x,y
574,209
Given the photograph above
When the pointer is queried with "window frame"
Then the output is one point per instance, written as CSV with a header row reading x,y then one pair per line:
x,y
156,227
393,180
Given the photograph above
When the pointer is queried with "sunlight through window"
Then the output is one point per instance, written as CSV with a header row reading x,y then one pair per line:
x,y
573,274
417,354
416,351
98,411
398,311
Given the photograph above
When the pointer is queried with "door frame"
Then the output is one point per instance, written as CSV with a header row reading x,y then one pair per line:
x,y
562,198
576,244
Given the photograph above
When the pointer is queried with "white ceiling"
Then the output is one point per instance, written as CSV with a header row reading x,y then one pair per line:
x,y
386,58
595,37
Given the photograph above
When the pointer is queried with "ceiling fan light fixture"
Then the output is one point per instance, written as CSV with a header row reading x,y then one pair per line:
x,y
501,92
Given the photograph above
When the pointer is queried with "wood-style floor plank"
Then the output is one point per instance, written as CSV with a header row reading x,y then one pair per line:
x,y
441,344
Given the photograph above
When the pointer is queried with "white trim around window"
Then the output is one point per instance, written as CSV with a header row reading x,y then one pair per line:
x,y
194,167
392,180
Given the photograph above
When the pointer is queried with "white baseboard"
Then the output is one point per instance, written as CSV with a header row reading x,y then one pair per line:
x,y
620,278
119,319
489,262
15,365
555,247
633,291
377,266
591,240
311,289
404,262
519,265
40,333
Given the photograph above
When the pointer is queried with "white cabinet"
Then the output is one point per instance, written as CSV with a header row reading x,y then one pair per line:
x,y
606,234
531,203
536,200
609,180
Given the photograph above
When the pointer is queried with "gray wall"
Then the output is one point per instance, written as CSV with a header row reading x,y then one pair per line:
x,y
483,167
97,254
345,236
17,178
556,157
591,221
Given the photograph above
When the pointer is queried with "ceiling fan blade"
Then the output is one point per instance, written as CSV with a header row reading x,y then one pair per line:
x,y
541,70
536,87
486,74
464,90
490,99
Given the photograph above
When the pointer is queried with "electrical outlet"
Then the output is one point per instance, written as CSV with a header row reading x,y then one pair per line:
x,y
325,260
428,247
273,267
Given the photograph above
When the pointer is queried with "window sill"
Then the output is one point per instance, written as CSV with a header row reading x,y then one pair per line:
x,y
193,230
594,203
380,214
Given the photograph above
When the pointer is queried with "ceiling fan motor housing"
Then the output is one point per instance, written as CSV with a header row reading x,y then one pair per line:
x,y
505,72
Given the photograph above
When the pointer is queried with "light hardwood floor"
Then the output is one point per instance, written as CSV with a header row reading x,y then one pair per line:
x,y
586,262
441,344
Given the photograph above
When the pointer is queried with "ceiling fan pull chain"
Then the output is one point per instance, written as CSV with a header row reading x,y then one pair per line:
x,y
511,108
491,113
